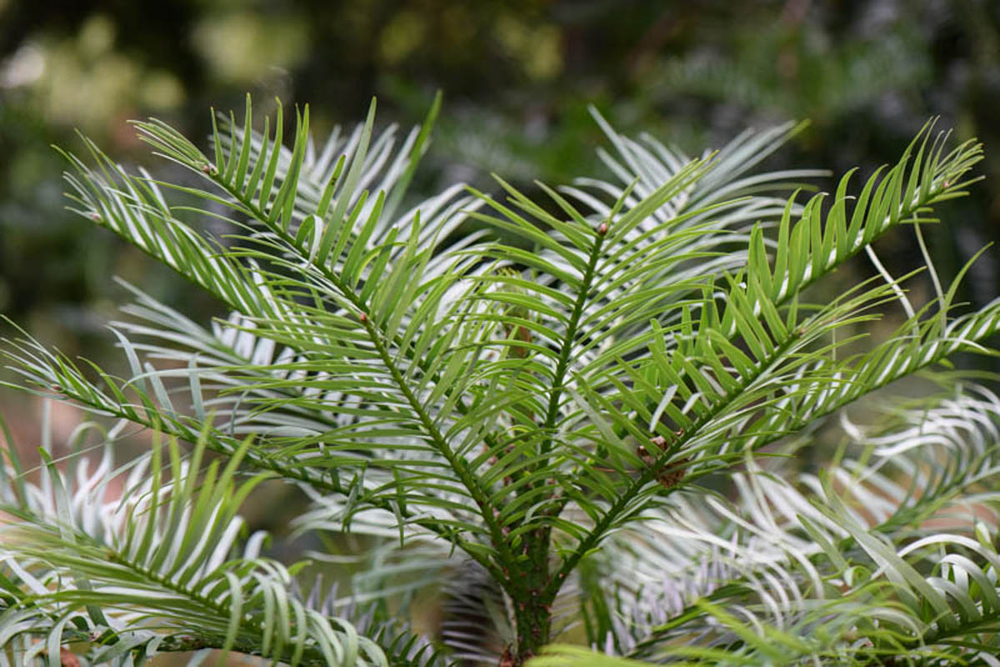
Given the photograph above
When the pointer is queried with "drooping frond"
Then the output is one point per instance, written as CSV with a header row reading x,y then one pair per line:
x,y
158,566
805,568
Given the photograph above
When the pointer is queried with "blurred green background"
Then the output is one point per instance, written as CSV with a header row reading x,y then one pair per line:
x,y
517,78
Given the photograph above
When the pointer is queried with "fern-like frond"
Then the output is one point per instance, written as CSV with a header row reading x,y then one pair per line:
x,y
161,567
752,362
806,568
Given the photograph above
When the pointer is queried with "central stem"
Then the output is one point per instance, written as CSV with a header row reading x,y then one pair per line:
x,y
533,613
534,621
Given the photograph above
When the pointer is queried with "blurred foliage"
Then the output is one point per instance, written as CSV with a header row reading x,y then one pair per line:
x,y
517,75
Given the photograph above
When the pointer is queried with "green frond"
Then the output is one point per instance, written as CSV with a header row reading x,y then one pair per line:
x,y
162,567
805,568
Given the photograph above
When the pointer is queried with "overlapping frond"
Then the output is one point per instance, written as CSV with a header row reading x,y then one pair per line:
x,y
752,361
785,571
150,558
378,288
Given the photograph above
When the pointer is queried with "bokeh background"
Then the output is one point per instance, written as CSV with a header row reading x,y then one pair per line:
x,y
517,79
